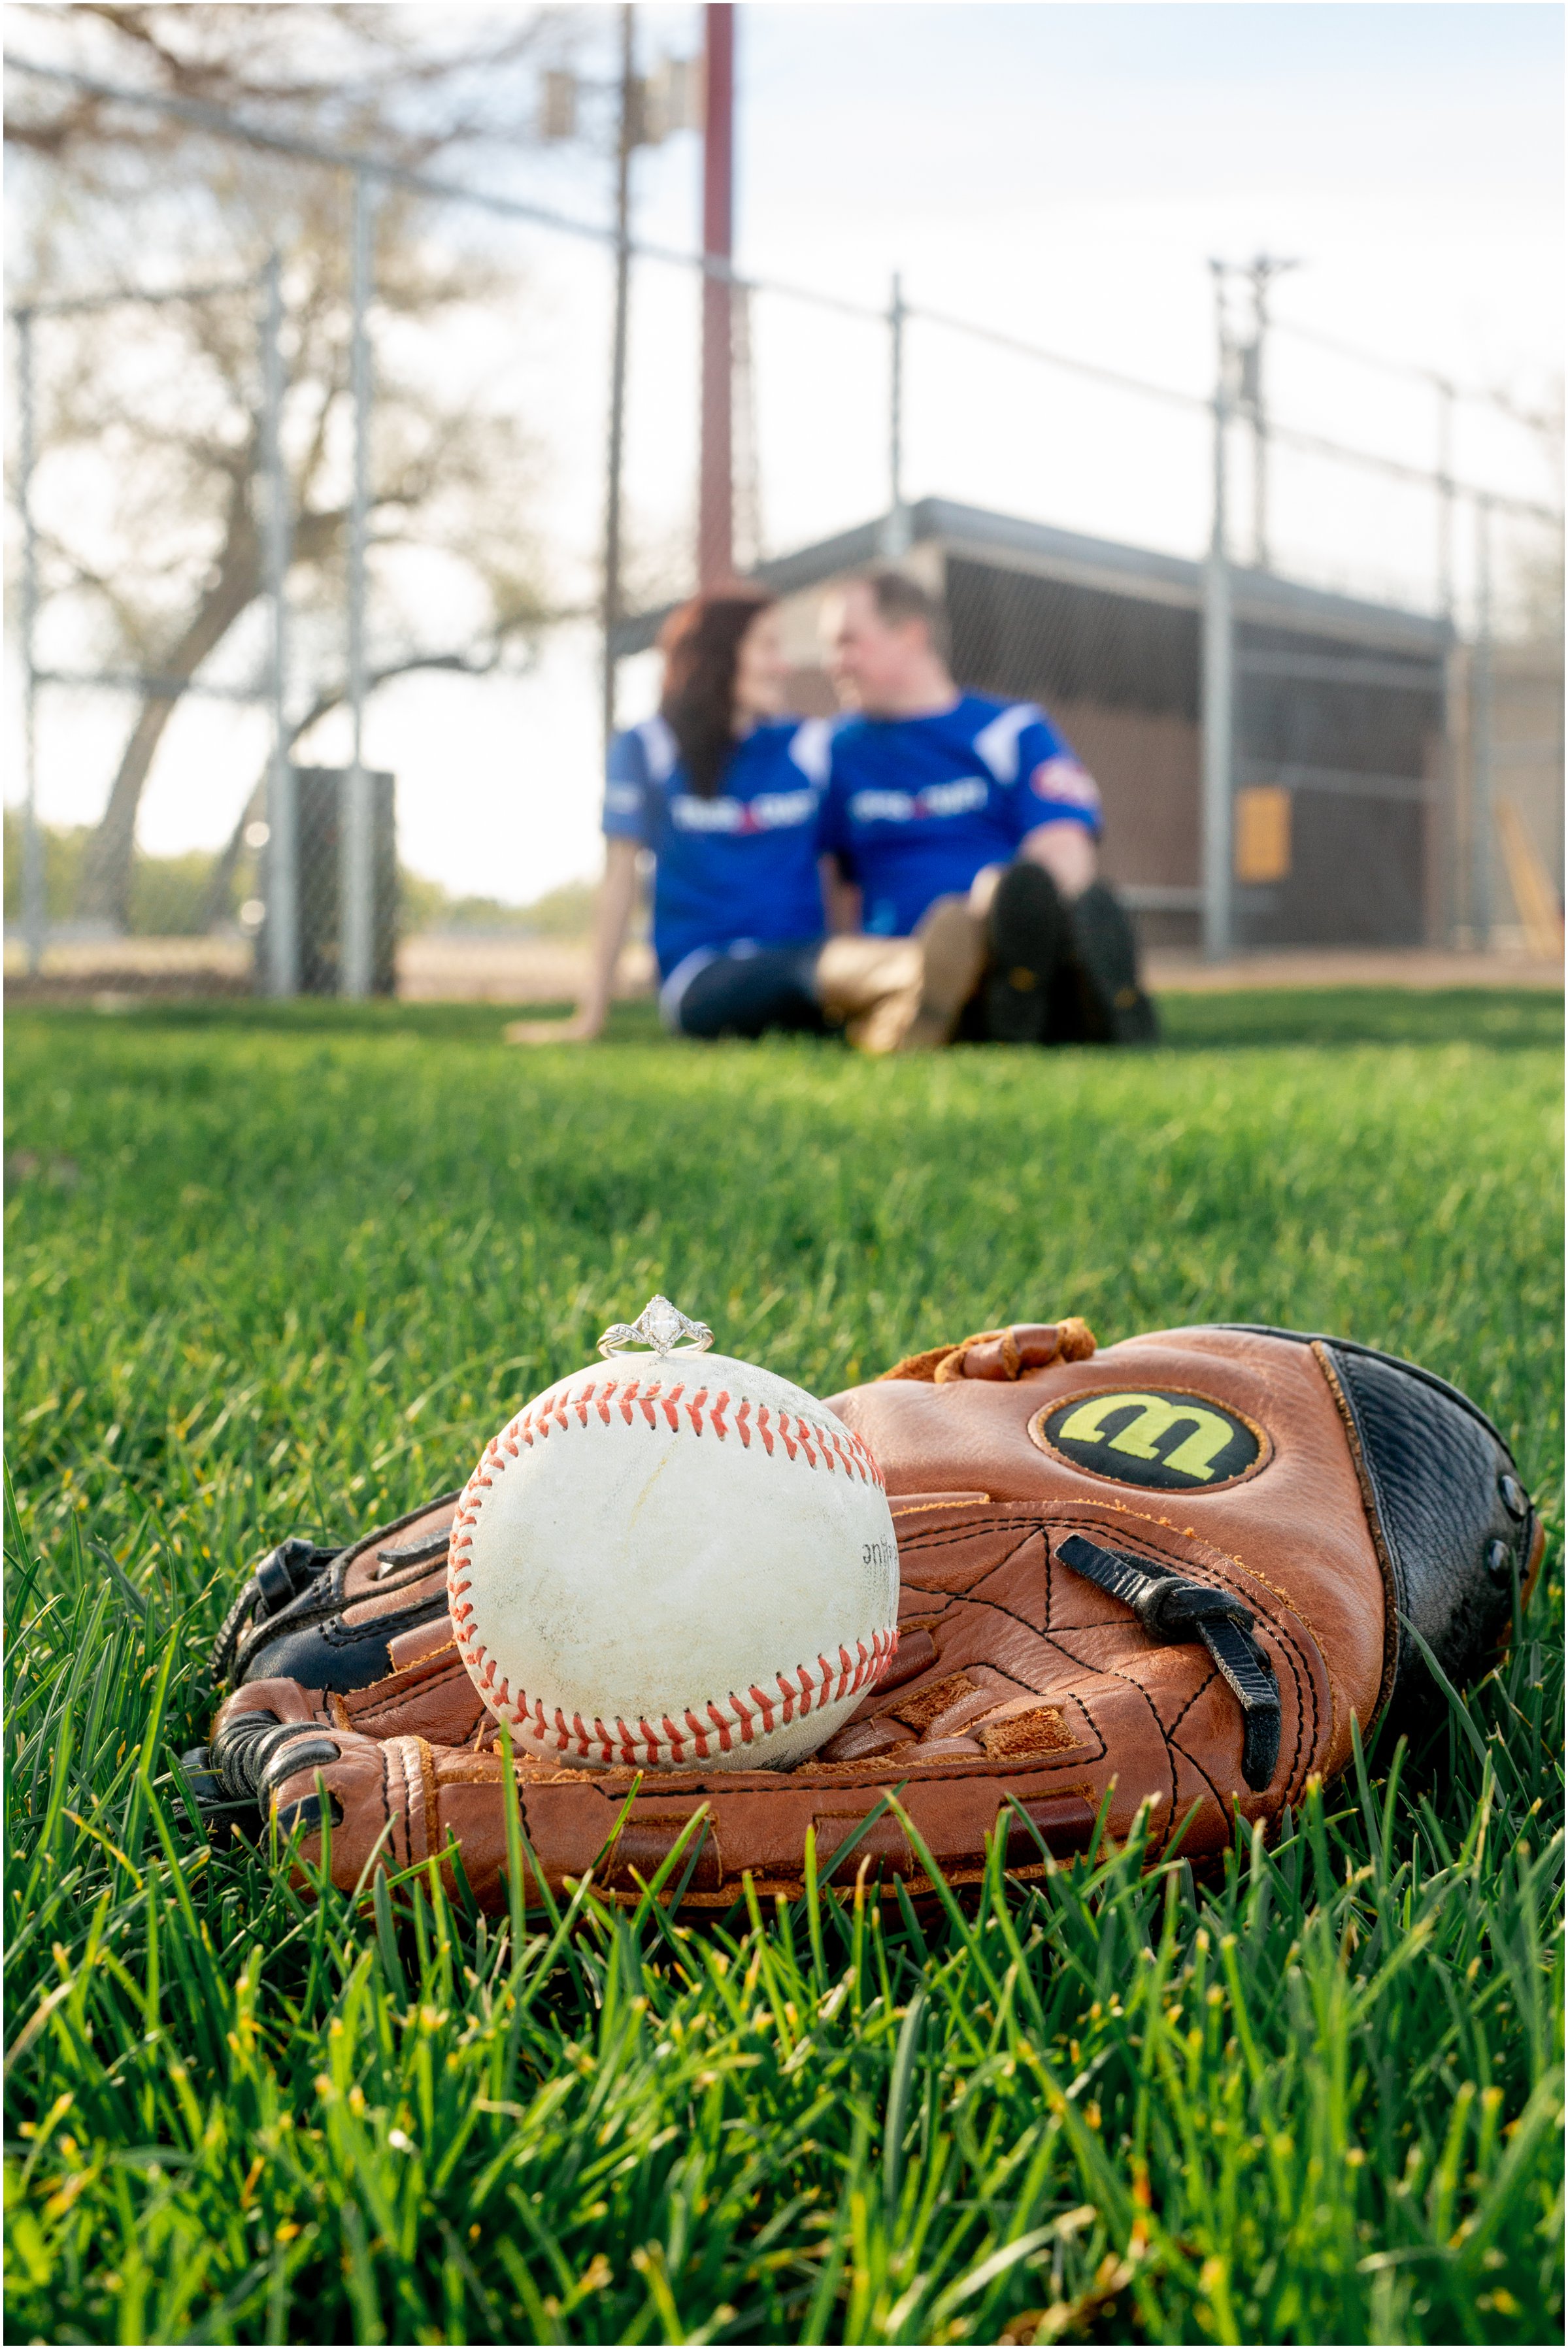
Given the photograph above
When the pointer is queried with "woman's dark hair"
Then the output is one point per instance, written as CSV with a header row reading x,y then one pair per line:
x,y
701,644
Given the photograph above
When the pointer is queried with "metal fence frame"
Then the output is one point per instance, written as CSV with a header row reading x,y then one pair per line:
x,y
370,175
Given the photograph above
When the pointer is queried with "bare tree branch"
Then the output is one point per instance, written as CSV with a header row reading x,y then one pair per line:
x,y
181,447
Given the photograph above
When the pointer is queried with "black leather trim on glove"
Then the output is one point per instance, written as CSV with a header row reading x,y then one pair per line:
x,y
298,1633
1454,1527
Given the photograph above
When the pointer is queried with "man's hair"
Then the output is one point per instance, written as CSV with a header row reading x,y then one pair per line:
x,y
901,599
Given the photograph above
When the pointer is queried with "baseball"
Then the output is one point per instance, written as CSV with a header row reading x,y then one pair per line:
x,y
674,1561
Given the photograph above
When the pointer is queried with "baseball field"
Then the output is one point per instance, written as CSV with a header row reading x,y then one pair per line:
x,y
286,1268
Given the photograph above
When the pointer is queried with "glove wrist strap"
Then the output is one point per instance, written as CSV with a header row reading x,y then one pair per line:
x,y
1172,1610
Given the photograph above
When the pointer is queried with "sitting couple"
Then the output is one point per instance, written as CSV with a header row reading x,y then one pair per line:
x,y
920,870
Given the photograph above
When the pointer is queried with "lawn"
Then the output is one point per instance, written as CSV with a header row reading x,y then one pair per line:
x,y
281,1268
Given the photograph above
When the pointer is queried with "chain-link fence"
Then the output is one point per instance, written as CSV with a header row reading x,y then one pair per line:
x,y
311,641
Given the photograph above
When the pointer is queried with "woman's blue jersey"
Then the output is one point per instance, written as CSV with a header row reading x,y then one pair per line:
x,y
741,866
917,806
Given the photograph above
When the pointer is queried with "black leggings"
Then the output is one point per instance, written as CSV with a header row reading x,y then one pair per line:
x,y
745,994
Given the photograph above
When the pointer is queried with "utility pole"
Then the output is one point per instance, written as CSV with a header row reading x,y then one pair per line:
x,y
715,494
1260,274
896,535
625,141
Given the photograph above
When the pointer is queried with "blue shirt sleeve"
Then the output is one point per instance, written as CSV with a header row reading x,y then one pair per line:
x,y
629,813
1054,784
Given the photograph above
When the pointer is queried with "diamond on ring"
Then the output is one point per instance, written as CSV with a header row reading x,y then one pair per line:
x,y
659,1324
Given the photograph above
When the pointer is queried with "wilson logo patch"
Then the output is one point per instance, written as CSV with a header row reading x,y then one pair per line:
x,y
1151,1436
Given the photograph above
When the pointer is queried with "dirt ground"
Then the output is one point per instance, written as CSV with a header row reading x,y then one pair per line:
x,y
542,970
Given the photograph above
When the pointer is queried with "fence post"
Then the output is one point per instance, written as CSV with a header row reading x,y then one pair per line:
x,y
895,532
614,458
281,811
1445,390
1451,909
34,902
355,853
1219,680
716,462
1480,737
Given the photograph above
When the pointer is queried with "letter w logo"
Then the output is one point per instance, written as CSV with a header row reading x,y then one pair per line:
x,y
1152,1416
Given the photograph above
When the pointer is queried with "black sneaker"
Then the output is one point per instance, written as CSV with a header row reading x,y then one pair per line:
x,y
1029,938
1117,1011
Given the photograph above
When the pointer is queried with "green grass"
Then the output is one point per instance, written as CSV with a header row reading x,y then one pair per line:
x,y
288,1268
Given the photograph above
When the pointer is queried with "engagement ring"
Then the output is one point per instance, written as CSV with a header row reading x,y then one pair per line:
x,y
658,1325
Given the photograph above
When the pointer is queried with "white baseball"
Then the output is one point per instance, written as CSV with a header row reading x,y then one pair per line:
x,y
674,1563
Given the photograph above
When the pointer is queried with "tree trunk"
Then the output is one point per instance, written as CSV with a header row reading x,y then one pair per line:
x,y
106,868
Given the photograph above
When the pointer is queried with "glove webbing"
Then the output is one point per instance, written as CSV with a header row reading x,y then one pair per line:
x,y
1172,1610
234,1781
280,1578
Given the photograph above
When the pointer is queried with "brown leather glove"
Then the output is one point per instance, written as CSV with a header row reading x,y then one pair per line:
x,y
1166,1574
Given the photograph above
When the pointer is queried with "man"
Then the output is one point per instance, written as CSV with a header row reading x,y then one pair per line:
x,y
970,825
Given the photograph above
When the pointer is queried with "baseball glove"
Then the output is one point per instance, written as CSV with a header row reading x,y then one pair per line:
x,y
1166,1574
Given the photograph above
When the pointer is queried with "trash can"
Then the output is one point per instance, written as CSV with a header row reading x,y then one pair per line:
x,y
318,885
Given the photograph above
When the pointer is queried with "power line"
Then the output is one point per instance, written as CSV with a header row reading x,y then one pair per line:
x,y
1409,369
1194,402
224,125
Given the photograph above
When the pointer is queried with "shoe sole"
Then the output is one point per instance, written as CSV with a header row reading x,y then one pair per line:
x,y
1029,938
1108,956
952,944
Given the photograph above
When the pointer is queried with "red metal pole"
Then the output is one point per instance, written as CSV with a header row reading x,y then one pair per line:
x,y
715,497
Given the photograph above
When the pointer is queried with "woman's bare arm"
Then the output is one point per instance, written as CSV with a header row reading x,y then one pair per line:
x,y
612,912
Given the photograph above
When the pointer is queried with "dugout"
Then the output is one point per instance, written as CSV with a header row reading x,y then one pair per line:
x,y
1341,833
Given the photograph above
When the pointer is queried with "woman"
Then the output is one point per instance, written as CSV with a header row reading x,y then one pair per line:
x,y
726,794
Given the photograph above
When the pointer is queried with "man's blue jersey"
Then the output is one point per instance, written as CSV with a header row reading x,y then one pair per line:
x,y
917,806
739,866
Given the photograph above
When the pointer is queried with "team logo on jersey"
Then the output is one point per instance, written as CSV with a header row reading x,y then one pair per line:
x,y
769,812
1063,781
1155,1436
957,798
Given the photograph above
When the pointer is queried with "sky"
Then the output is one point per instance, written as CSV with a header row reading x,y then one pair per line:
x,y
1063,173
